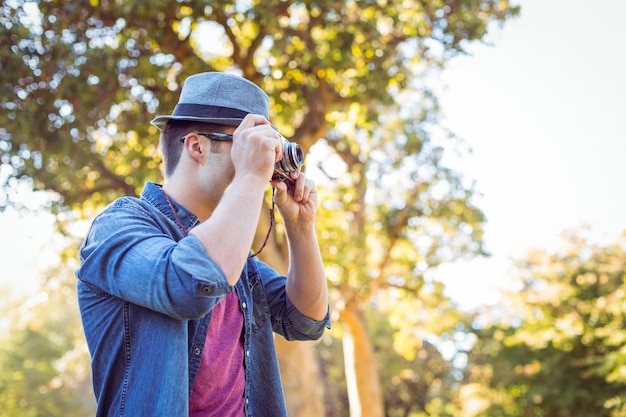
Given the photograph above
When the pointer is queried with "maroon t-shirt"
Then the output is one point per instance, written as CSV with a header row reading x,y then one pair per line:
x,y
219,385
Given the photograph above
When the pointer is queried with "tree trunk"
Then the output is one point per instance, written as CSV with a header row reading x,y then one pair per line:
x,y
302,379
364,391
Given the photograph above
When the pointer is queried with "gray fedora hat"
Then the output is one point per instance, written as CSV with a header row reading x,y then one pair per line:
x,y
217,97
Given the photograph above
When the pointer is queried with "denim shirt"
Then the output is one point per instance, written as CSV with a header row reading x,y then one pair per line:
x,y
146,292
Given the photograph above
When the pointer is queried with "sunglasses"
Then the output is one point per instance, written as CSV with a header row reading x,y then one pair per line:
x,y
212,135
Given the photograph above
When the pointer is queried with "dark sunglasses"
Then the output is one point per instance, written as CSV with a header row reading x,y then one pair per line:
x,y
212,135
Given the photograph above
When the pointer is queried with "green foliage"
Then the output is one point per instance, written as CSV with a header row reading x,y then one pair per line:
x,y
563,355
44,364
411,386
418,385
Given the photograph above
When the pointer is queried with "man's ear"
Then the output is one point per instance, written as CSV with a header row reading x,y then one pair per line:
x,y
194,146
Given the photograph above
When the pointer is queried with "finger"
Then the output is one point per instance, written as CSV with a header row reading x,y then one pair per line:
x,y
281,192
252,120
299,188
309,187
267,132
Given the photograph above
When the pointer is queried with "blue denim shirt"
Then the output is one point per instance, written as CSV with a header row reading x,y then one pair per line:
x,y
146,292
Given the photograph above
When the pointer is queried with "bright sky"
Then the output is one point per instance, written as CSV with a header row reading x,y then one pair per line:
x,y
544,110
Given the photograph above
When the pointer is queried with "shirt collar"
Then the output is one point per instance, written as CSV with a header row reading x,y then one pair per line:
x,y
153,193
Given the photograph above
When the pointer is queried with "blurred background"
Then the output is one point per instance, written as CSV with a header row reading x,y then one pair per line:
x,y
469,157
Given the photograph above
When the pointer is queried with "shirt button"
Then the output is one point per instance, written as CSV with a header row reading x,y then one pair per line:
x,y
197,351
206,290
243,305
247,353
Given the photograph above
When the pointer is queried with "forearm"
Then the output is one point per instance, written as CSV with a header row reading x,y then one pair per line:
x,y
306,280
228,233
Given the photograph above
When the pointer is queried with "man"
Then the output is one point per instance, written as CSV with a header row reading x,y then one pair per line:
x,y
178,317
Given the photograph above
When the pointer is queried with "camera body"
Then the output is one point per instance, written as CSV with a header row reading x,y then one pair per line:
x,y
293,159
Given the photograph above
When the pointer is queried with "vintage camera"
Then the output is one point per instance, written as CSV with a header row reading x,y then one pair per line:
x,y
293,158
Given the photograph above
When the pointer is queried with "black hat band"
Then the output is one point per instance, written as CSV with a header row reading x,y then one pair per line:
x,y
206,111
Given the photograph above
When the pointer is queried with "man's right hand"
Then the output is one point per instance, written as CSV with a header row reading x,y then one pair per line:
x,y
256,147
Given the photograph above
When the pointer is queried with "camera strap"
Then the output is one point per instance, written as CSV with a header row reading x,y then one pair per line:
x,y
267,236
186,232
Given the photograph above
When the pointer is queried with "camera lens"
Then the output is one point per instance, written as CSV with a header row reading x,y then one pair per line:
x,y
293,158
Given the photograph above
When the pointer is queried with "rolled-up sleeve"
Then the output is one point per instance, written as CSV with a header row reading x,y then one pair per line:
x,y
128,255
287,320
297,326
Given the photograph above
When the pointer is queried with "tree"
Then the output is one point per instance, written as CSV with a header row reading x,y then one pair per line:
x,y
560,351
82,80
44,363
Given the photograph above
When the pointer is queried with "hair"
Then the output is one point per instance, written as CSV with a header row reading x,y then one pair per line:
x,y
171,147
